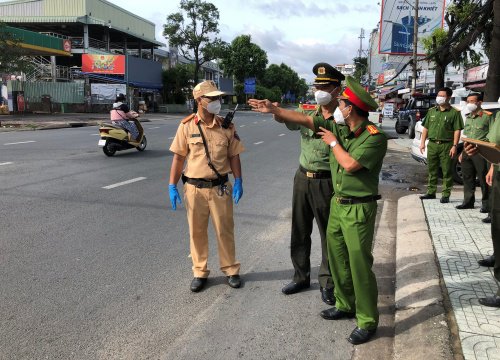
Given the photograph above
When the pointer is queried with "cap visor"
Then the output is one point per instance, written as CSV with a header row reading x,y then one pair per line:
x,y
214,93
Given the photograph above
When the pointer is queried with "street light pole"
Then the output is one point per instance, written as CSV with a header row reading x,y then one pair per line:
x,y
415,43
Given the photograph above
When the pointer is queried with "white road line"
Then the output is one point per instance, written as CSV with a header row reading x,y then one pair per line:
x,y
242,125
255,122
156,127
258,143
281,135
124,183
170,138
21,142
6,163
95,134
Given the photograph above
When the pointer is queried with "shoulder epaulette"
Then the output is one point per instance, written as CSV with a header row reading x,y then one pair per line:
x,y
188,118
487,112
309,107
372,129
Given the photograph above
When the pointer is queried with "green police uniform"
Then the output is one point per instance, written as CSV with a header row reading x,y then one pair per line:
x,y
441,126
353,209
476,127
312,191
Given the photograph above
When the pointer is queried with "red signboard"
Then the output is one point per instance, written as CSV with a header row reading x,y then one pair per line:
x,y
103,64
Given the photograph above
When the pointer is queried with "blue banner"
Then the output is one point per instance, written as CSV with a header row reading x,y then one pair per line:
x,y
250,86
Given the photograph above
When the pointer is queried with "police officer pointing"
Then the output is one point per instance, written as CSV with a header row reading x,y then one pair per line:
x,y
210,153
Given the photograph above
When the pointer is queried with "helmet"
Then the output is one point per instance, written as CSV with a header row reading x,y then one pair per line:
x,y
120,98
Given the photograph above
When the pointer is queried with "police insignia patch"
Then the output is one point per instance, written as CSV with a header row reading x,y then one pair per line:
x,y
372,129
321,70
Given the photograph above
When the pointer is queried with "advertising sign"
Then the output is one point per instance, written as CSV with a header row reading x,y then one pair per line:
x,y
103,64
250,86
477,73
67,45
397,21
388,110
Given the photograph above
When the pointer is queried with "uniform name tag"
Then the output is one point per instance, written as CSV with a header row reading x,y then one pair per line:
x,y
195,135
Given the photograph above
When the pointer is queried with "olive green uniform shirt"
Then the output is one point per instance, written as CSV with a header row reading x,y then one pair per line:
x,y
366,148
442,124
494,134
478,126
314,153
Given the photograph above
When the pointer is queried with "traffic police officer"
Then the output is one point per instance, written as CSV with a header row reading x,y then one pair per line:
x,y
442,126
493,179
477,125
312,186
356,156
211,153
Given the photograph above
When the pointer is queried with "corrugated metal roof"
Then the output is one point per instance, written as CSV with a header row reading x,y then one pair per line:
x,y
63,93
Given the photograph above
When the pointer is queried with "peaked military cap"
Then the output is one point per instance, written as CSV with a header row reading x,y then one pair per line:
x,y
357,95
327,74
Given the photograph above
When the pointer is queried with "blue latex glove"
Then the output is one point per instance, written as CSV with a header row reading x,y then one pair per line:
x,y
174,196
237,190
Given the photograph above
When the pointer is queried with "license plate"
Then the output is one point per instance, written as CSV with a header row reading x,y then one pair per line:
x,y
101,142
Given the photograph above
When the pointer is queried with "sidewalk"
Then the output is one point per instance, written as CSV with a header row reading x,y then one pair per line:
x,y
459,239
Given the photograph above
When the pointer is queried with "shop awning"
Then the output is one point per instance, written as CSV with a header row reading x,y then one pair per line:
x,y
121,80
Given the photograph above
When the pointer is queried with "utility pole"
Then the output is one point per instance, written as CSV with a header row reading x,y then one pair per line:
x,y
361,37
415,44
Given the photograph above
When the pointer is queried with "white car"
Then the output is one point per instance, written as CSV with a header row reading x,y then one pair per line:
x,y
457,168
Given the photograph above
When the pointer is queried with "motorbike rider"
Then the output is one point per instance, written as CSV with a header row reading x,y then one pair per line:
x,y
120,115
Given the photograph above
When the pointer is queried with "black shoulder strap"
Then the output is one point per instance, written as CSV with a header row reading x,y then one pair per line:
x,y
219,176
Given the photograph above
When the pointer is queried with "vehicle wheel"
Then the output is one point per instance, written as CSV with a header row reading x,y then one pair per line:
x,y
411,130
456,169
109,149
400,129
143,144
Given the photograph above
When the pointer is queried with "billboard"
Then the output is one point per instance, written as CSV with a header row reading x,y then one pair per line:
x,y
103,64
397,20
250,86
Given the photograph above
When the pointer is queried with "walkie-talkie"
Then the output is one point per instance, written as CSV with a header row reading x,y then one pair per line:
x,y
229,118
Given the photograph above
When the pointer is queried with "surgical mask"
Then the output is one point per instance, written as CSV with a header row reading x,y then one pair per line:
x,y
471,107
213,107
322,97
440,100
338,116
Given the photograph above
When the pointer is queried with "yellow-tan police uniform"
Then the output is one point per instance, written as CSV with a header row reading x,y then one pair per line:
x,y
203,200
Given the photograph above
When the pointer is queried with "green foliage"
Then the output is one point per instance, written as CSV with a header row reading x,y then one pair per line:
x,y
284,78
13,58
178,83
361,68
194,31
273,94
244,59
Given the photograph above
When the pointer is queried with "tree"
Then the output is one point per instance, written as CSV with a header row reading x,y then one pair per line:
x,y
286,79
13,59
244,59
467,23
177,83
197,40
492,90
361,66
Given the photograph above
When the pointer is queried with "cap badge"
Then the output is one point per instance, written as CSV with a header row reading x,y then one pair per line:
x,y
321,70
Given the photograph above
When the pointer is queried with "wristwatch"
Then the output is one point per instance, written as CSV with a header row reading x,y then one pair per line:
x,y
333,144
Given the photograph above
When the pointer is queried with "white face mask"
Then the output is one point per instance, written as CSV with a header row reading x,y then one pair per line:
x,y
213,107
440,100
471,107
322,97
338,116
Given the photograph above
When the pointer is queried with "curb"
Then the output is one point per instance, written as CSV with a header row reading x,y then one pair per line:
x,y
52,125
421,328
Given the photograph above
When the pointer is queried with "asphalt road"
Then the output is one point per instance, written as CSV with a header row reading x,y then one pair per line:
x,y
89,272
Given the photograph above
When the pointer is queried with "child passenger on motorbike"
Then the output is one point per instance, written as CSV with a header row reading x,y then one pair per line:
x,y
120,114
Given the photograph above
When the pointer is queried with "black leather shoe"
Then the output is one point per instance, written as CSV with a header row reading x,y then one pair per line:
x,y
444,200
294,287
487,261
428,196
327,296
234,281
360,336
493,301
464,206
335,314
483,210
197,284
487,220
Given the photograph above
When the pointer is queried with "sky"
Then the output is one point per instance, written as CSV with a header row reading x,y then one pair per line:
x,y
299,33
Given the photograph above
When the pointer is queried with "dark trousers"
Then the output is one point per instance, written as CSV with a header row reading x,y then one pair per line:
x,y
495,224
311,200
473,166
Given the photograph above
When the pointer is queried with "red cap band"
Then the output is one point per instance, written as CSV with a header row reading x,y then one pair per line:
x,y
352,97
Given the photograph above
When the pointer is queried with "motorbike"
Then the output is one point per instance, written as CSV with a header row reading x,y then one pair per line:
x,y
114,138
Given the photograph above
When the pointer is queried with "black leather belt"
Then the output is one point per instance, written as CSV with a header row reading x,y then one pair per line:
x,y
356,200
439,141
204,183
316,174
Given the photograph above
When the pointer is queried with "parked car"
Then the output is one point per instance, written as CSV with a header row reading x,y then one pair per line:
x,y
414,111
376,117
457,167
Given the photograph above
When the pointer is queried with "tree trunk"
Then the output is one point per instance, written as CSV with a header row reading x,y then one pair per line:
x,y
439,76
492,90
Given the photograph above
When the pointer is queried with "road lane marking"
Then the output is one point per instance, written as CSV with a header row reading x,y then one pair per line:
x,y
255,122
281,135
95,134
242,125
170,138
6,163
112,186
258,143
156,127
21,142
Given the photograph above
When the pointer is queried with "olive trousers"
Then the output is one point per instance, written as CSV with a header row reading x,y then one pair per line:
x,y
473,166
438,155
495,224
350,238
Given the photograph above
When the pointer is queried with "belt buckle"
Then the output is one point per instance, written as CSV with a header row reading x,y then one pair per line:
x,y
310,174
